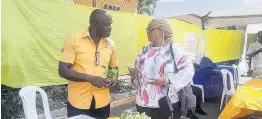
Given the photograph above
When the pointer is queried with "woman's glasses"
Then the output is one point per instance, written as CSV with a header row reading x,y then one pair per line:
x,y
148,30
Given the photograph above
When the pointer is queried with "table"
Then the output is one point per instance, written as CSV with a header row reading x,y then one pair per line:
x,y
211,81
247,98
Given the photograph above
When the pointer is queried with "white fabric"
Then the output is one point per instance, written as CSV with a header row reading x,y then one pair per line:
x,y
256,61
191,45
223,12
243,67
243,80
150,68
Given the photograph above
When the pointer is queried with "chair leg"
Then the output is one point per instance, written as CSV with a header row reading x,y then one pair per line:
x,y
227,96
222,100
203,96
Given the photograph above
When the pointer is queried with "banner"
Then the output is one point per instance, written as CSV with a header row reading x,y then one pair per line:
x,y
34,32
224,45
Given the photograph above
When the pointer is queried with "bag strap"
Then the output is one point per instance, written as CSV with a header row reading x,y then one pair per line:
x,y
175,66
173,57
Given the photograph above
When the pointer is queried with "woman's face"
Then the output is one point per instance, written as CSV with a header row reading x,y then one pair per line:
x,y
154,33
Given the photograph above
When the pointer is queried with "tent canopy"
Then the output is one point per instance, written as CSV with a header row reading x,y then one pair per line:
x,y
254,28
210,13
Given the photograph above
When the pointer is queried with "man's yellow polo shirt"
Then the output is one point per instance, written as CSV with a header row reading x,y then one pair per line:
x,y
79,50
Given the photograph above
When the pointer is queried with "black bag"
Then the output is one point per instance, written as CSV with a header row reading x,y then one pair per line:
x,y
166,107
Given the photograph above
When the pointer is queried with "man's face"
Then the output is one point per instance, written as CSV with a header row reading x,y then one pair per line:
x,y
104,23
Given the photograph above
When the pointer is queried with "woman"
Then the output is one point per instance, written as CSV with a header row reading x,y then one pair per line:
x,y
153,73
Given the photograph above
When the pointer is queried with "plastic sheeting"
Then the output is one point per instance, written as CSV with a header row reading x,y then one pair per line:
x,y
245,101
222,45
34,32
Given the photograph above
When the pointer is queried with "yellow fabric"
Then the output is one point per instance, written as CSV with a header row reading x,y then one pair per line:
x,y
247,98
223,45
79,50
34,32
179,30
142,23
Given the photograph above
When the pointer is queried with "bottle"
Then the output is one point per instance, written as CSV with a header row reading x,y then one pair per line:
x,y
169,69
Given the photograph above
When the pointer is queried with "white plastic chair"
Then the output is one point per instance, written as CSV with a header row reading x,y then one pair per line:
x,y
202,90
236,75
226,91
28,96
239,80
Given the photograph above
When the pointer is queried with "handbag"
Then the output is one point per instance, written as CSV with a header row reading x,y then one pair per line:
x,y
185,95
166,108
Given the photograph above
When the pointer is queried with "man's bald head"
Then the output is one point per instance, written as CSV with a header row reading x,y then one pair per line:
x,y
259,36
100,23
96,14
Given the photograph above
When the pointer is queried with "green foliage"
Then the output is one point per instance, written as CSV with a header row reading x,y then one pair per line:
x,y
134,116
146,7
112,73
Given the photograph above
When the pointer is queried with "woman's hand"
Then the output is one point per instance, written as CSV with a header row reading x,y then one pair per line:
x,y
160,81
135,73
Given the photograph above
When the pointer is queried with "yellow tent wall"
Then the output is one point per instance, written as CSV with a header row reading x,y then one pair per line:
x,y
34,32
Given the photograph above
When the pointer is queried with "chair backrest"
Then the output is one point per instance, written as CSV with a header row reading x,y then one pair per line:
x,y
236,74
28,96
225,74
191,82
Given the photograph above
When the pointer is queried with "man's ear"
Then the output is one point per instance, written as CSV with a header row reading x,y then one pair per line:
x,y
95,24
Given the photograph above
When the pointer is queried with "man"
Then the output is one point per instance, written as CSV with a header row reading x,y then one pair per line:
x,y
198,93
190,113
83,61
255,54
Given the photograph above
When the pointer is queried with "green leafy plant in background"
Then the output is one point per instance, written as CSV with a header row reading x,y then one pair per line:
x,y
134,116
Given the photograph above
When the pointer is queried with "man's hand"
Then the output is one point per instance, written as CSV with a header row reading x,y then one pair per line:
x,y
112,83
255,53
99,82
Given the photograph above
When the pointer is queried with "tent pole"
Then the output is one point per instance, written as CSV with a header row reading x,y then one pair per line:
x,y
203,38
243,56
204,20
